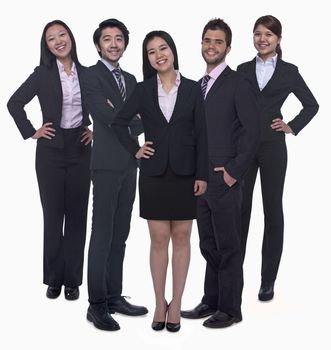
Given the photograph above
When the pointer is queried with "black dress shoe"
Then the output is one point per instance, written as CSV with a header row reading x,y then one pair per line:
x,y
101,318
71,293
159,325
266,291
173,327
53,292
221,320
122,306
200,311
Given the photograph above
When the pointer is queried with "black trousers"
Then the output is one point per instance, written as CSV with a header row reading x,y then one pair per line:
x,y
113,197
218,219
271,159
64,183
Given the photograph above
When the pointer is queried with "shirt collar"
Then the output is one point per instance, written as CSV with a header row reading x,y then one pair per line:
x,y
177,82
271,60
60,67
216,72
109,65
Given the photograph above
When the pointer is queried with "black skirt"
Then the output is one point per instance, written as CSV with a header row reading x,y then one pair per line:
x,y
167,197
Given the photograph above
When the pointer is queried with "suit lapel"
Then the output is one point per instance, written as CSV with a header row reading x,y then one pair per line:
x,y
277,75
182,97
109,78
218,82
252,74
55,81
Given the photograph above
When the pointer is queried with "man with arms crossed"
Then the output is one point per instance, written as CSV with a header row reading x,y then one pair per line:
x,y
114,171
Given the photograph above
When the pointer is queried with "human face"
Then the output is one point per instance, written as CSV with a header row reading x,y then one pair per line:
x,y
111,45
160,55
58,41
265,42
213,48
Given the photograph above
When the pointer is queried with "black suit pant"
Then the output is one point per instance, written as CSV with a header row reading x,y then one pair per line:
x,y
113,197
218,219
64,183
271,160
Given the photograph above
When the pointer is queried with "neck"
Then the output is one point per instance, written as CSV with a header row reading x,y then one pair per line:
x,y
67,63
267,56
168,78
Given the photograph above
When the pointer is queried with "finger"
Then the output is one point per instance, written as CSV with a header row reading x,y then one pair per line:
x,y
219,169
48,123
149,149
148,142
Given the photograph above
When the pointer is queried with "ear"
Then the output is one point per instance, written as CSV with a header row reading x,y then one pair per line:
x,y
97,47
279,40
228,49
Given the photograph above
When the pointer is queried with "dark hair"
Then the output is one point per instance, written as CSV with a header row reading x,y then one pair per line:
x,y
148,70
47,58
274,25
111,22
219,24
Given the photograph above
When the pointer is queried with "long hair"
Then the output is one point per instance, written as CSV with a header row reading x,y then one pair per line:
x,y
47,58
274,25
148,70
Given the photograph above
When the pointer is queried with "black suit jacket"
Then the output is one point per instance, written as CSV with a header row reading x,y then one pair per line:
x,y
46,84
232,123
286,79
98,86
181,143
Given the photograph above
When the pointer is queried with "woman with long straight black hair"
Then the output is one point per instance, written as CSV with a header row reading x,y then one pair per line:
x,y
62,155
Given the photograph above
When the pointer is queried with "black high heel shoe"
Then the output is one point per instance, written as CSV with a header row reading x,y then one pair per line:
x,y
172,327
159,325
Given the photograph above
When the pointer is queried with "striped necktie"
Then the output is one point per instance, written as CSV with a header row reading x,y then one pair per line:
x,y
204,84
118,76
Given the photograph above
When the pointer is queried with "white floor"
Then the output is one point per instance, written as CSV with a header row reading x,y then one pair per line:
x,y
299,315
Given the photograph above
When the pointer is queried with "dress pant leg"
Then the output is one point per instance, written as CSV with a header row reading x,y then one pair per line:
x,y
273,162
224,255
209,251
248,189
106,188
77,187
122,221
50,175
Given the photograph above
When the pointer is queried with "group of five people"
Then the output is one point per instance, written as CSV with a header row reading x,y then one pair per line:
x,y
219,131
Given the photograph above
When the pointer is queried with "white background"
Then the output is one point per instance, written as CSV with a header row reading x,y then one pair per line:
x,y
299,314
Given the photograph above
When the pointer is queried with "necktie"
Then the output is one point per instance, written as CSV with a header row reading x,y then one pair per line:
x,y
204,84
118,76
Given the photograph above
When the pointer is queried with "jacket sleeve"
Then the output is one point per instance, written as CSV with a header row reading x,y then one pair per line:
x,y
248,114
308,101
95,99
201,138
123,119
22,96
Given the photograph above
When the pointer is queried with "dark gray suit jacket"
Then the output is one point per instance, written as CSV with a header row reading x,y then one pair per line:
x,y
181,143
46,84
286,79
232,123
98,86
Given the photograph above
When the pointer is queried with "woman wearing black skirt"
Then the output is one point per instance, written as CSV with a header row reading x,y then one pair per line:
x,y
173,168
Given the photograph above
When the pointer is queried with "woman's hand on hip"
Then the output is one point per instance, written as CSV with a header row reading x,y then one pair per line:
x,y
45,131
145,151
87,136
278,125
